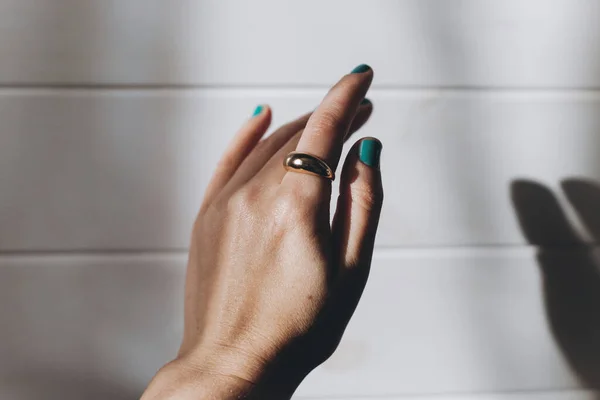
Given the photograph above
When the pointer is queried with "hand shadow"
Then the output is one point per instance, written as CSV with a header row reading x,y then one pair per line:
x,y
569,267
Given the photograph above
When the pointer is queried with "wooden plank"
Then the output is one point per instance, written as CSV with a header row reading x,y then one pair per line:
x,y
479,43
431,322
92,170
87,327
557,395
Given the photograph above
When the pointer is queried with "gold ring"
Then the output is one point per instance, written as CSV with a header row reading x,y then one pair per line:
x,y
308,164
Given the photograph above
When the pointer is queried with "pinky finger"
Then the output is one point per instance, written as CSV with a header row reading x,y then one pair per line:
x,y
237,151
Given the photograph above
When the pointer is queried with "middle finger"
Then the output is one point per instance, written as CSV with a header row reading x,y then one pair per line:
x,y
325,131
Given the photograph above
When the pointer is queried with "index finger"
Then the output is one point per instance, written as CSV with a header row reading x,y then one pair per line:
x,y
325,131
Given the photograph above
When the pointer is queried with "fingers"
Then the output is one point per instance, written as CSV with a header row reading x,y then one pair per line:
x,y
359,206
325,131
239,148
264,151
274,170
584,196
355,224
541,217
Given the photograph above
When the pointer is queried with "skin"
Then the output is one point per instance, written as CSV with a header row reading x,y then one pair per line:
x,y
271,284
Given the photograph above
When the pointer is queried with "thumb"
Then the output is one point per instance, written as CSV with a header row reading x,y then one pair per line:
x,y
358,209
353,233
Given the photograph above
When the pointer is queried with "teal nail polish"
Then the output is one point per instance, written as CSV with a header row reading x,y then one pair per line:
x,y
365,102
257,110
369,152
360,69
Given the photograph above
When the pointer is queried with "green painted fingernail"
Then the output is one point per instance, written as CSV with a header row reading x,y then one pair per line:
x,y
365,102
360,69
369,152
257,110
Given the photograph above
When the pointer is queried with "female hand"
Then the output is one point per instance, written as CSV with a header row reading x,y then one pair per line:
x,y
271,284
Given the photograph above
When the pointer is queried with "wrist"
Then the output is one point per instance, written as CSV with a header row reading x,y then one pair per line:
x,y
182,381
225,376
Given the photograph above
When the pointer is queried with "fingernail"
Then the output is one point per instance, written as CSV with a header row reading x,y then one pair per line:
x,y
369,152
365,102
257,110
360,69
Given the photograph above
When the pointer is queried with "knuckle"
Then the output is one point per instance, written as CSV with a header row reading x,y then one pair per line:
x,y
235,202
366,197
332,117
244,198
227,163
291,205
345,85
262,145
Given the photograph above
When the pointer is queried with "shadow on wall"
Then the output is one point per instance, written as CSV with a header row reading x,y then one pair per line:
x,y
570,267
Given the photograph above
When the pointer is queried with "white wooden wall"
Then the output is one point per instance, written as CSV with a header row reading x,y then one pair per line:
x,y
114,112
